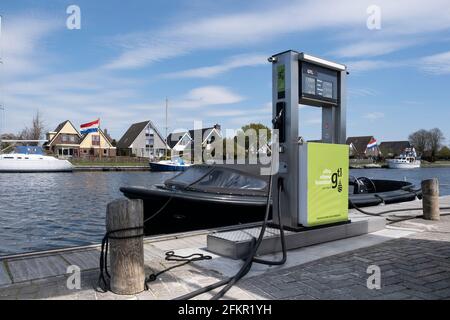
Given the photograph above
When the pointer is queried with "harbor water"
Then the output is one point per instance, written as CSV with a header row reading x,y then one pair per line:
x,y
42,211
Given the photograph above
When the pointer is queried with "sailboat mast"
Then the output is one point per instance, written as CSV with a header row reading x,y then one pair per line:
x,y
166,128
167,108
2,108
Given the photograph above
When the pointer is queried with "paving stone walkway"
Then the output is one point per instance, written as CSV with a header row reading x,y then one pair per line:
x,y
413,267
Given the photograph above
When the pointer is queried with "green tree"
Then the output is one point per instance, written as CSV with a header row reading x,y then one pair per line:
x,y
253,145
435,140
444,153
419,140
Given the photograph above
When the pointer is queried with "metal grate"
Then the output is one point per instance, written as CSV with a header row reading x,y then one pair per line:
x,y
247,234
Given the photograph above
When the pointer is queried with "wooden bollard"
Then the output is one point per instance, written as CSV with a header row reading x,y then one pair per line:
x,y
126,255
430,199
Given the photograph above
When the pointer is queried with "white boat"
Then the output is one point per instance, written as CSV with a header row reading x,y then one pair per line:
x,y
407,160
169,165
22,162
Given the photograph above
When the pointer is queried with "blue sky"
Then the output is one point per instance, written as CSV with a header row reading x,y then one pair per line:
x,y
210,59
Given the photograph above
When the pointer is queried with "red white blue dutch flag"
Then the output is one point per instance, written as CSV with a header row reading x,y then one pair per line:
x,y
90,127
372,143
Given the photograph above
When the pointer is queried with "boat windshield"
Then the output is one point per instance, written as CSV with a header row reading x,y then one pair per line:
x,y
219,180
188,177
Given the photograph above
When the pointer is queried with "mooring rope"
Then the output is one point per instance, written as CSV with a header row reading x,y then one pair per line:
x,y
171,256
104,277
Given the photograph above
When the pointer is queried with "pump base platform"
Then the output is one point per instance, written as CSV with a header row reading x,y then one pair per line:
x,y
236,244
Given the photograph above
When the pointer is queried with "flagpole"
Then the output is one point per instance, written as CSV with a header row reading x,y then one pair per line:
x,y
99,140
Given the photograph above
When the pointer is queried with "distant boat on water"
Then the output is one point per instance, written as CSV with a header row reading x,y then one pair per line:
x,y
406,160
169,165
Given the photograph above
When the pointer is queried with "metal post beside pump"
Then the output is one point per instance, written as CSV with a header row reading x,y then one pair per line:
x,y
315,175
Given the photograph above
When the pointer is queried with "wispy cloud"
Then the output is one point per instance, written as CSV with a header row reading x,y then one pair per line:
x,y
359,66
238,61
372,116
362,92
438,64
208,96
399,19
372,48
20,43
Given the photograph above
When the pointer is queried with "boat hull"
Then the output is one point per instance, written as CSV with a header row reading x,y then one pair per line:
x,y
188,211
192,210
161,167
402,165
28,166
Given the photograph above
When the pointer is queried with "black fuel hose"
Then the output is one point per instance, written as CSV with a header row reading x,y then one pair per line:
x,y
247,264
229,282
282,236
251,258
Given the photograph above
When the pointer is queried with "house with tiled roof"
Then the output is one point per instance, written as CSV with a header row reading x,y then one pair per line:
x,y
142,139
363,147
64,141
392,149
183,142
67,142
97,144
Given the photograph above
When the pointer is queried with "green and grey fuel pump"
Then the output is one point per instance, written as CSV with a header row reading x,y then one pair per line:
x,y
314,175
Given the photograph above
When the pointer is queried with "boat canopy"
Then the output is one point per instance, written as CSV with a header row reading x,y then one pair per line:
x,y
29,150
220,180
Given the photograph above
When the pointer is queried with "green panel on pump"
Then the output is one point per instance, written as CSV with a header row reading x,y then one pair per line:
x,y
324,172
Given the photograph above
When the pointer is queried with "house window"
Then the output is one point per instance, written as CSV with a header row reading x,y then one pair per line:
x,y
184,141
64,138
104,151
95,140
211,139
72,138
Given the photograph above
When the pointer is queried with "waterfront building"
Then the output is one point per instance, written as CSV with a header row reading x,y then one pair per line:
x,y
67,142
363,147
64,141
183,142
97,144
392,149
142,139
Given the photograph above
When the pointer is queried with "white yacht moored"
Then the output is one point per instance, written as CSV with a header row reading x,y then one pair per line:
x,y
407,160
23,162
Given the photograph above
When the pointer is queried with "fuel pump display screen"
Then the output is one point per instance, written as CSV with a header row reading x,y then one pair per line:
x,y
318,84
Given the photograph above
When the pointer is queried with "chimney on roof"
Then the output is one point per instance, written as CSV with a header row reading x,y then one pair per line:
x,y
50,135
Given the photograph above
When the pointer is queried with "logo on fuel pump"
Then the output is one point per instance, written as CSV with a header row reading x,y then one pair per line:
x,y
336,180
331,180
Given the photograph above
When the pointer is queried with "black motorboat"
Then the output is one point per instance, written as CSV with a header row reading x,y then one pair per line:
x,y
212,196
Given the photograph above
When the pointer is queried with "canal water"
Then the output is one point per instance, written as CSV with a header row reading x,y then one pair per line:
x,y
56,210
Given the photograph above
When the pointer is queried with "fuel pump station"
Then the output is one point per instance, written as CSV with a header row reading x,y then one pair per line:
x,y
315,175
310,187
309,192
